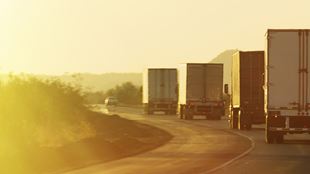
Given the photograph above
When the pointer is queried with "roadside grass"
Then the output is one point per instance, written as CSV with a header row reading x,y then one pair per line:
x,y
46,127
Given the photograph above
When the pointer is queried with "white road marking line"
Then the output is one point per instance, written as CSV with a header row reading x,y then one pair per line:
x,y
237,157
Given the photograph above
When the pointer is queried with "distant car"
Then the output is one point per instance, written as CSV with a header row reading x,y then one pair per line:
x,y
112,101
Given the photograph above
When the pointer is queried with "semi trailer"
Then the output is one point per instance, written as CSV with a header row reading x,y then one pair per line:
x,y
247,94
286,87
160,90
200,90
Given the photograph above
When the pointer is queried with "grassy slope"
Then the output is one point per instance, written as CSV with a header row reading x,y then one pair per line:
x,y
115,138
45,126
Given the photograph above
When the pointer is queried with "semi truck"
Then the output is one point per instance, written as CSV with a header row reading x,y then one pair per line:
x,y
286,85
201,90
160,90
247,94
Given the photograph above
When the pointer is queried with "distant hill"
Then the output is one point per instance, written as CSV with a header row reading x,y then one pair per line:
x,y
225,58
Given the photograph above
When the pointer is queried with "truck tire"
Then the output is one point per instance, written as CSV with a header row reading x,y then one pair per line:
x,y
269,137
230,120
146,109
248,126
188,114
279,138
241,121
185,114
217,114
172,112
274,137
234,119
244,123
181,114
149,112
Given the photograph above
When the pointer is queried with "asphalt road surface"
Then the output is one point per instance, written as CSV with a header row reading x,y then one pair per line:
x,y
203,146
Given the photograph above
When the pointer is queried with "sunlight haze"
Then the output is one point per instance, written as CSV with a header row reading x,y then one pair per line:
x,y
99,36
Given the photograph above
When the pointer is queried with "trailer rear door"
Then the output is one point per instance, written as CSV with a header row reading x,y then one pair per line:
x,y
214,82
287,71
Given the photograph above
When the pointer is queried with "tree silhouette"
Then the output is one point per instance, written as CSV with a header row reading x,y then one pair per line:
x,y
126,93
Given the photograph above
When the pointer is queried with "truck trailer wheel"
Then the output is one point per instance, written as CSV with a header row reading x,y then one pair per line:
x,y
172,112
188,114
217,114
269,137
241,121
249,126
234,119
273,137
244,123
150,112
146,109
230,120
181,114
279,138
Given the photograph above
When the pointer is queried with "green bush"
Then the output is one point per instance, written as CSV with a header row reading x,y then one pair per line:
x,y
41,113
97,97
127,93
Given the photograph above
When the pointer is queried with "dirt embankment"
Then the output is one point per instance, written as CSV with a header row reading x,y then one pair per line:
x,y
115,138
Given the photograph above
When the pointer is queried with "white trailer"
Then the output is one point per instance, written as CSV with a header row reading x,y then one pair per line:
x,y
201,90
286,87
160,90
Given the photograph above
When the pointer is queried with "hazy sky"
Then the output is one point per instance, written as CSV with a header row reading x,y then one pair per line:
x,y
57,36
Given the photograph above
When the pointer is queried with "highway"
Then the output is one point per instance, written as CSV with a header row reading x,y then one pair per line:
x,y
206,146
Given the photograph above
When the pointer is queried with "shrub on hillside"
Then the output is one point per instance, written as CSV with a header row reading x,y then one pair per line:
x,y
127,93
97,97
41,113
